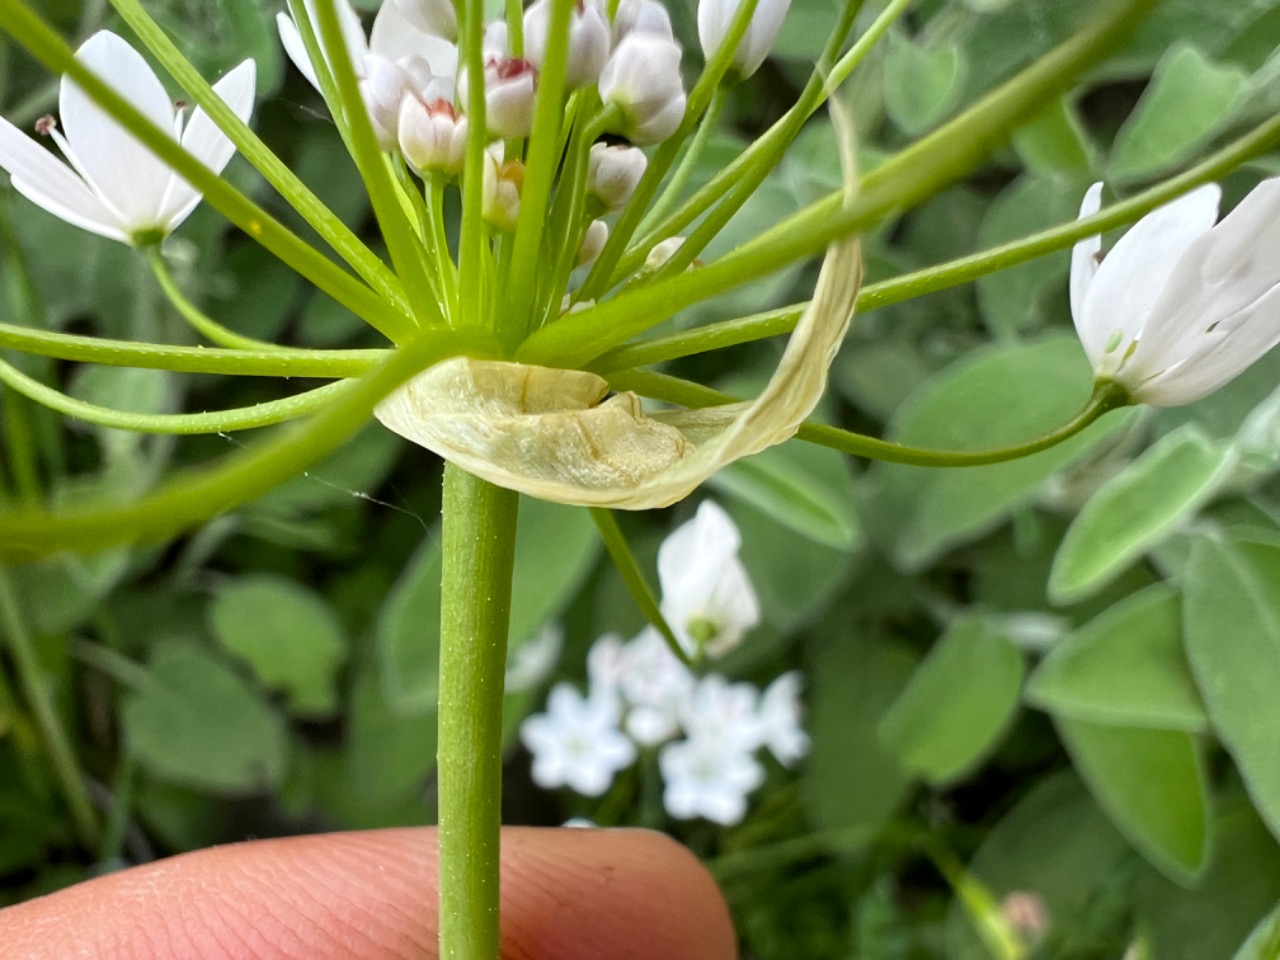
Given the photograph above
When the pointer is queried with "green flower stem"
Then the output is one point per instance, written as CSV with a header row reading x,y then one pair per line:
x,y
279,362
479,556
406,251
218,421
21,448
615,542
771,323
43,43
689,162
599,278
750,167
541,162
1107,396
296,193
204,492
925,168
472,250
195,317
36,691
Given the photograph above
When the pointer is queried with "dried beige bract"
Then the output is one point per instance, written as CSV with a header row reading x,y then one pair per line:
x,y
557,435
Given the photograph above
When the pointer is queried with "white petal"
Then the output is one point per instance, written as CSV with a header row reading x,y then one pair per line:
x,y
1084,256
123,172
48,182
396,38
204,141
291,40
1135,272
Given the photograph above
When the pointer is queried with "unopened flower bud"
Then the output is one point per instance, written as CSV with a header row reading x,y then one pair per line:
x,y
433,138
509,86
643,79
613,173
641,16
661,253
434,17
715,17
589,40
592,242
384,85
496,41
503,184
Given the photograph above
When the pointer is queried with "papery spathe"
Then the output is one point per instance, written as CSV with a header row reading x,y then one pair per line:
x,y
1180,307
115,186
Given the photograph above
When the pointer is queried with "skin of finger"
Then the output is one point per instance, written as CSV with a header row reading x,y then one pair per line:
x,y
566,895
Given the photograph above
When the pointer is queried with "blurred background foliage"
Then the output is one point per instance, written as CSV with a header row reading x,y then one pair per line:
x,y
1053,679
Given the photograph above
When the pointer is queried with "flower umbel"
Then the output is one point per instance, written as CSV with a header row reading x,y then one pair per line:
x,y
115,186
1180,307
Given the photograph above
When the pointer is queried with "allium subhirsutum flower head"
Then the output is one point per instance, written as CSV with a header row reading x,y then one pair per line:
x,y
114,185
1180,307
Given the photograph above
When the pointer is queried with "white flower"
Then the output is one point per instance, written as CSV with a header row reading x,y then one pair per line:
x,y
432,17
593,241
613,172
576,743
715,17
1180,307
642,78
503,183
779,719
641,16
707,596
115,186
655,686
725,713
433,138
589,40
532,661
510,86
661,253
704,778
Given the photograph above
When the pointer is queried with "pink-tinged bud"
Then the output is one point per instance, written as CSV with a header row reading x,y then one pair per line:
x,y
503,184
384,85
715,17
433,138
509,87
589,40
613,173
434,17
643,79
641,16
592,242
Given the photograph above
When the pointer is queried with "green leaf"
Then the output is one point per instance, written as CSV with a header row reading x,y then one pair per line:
x,y
1152,785
1189,99
1126,667
1264,942
556,547
850,781
957,705
1054,142
1136,509
389,754
1056,842
1231,615
922,83
995,397
288,636
124,388
806,487
197,723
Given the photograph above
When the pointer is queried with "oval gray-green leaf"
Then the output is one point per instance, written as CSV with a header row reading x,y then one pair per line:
x,y
1231,618
287,634
1264,942
1126,667
957,704
199,724
1135,510
922,82
1152,785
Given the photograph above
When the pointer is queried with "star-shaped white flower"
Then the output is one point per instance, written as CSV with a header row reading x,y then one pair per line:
x,y
707,596
705,778
1180,307
577,743
115,186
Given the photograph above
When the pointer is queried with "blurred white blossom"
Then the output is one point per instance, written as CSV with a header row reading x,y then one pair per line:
x,y
1180,307
779,721
709,779
577,743
715,17
707,596
655,686
116,187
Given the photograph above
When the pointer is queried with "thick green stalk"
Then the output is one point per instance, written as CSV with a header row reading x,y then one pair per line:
x,y
479,556
56,742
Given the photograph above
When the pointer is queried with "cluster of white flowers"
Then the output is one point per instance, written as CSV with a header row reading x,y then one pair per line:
x,y
641,696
